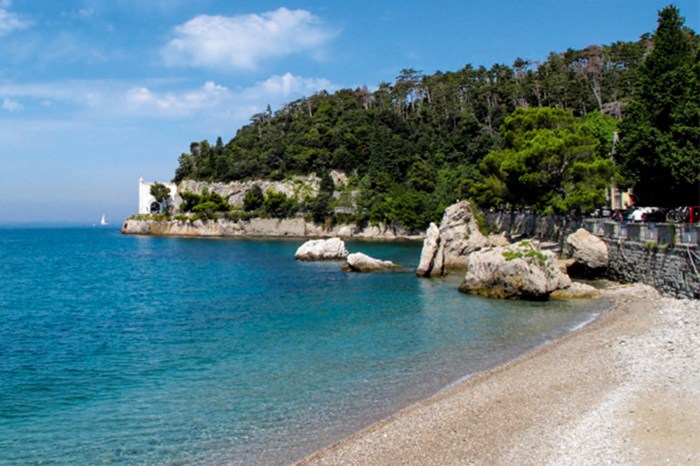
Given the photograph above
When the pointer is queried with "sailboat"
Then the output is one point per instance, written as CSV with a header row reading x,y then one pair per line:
x,y
103,221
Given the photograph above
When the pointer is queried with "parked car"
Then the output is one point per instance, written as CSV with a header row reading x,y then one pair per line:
x,y
647,214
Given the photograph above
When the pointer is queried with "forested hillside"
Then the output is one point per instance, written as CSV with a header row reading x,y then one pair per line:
x,y
414,146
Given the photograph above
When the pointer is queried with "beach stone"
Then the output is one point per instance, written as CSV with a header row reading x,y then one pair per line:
x,y
576,291
322,249
521,270
458,236
588,250
359,262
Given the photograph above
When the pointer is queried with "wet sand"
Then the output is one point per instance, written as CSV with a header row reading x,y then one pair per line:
x,y
623,390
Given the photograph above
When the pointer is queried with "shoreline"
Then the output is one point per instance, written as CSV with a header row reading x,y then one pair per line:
x,y
258,227
602,392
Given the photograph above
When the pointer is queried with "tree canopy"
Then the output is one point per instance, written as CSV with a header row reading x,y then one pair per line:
x,y
530,134
660,134
550,161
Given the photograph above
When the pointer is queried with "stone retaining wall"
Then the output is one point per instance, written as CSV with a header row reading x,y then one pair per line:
x,y
519,225
673,271
662,255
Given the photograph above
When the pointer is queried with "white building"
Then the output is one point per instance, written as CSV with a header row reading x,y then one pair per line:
x,y
148,203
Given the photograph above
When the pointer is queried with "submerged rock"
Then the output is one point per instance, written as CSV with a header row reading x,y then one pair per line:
x,y
448,246
359,262
520,270
322,249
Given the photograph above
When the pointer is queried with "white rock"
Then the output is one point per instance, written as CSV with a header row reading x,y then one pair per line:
x,y
576,291
520,270
429,252
458,236
359,262
322,249
588,249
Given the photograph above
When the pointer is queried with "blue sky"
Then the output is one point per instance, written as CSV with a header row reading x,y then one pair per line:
x,y
96,93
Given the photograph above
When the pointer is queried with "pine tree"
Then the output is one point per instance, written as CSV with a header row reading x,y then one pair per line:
x,y
660,144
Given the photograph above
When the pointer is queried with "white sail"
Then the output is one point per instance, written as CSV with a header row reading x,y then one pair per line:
x,y
103,220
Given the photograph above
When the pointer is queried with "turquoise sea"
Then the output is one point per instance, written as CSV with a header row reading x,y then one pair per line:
x,y
140,350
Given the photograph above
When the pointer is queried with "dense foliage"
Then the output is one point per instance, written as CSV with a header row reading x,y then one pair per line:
x,y
413,147
660,144
551,162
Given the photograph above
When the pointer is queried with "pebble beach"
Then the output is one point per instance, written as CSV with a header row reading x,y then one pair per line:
x,y
624,389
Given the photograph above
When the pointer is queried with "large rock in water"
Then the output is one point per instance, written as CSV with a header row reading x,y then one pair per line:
x,y
359,262
589,251
448,246
322,250
520,270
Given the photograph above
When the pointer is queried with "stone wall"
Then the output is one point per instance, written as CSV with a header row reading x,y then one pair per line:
x,y
665,256
520,225
672,270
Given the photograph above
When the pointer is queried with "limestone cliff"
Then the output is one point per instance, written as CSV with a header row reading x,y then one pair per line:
x,y
266,227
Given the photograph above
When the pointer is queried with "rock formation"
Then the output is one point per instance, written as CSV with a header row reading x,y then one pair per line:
x,y
448,246
576,291
359,262
589,252
258,227
322,249
520,270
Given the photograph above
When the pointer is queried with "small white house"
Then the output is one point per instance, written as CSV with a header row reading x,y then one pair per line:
x,y
148,203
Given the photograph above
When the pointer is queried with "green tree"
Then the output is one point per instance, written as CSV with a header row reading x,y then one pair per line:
x,y
253,199
659,150
278,205
161,193
320,206
550,162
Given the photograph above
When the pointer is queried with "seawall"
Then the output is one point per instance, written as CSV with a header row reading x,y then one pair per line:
x,y
260,227
664,256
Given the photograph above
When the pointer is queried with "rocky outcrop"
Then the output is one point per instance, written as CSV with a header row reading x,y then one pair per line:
x,y
359,262
293,227
428,255
576,291
448,246
321,250
234,191
590,253
265,227
520,270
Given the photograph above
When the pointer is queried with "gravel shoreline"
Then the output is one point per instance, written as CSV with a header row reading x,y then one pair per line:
x,y
624,389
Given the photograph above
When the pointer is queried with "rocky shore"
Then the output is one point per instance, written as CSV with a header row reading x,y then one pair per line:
x,y
260,227
623,390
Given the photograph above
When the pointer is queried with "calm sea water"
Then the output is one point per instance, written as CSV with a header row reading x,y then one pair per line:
x,y
139,350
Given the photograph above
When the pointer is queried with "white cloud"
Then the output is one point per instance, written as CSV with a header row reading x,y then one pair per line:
x,y
10,22
277,87
172,104
211,103
242,42
11,105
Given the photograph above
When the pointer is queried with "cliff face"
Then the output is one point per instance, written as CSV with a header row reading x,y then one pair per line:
x,y
266,227
235,191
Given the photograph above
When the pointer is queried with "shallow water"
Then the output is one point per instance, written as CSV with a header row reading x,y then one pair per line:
x,y
124,349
